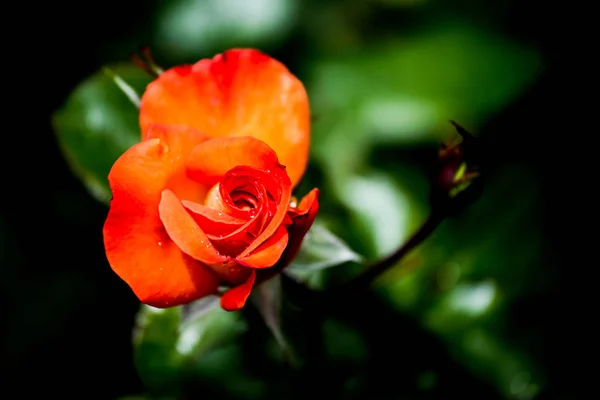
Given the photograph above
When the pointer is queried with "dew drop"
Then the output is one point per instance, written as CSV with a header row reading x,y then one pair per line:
x,y
160,244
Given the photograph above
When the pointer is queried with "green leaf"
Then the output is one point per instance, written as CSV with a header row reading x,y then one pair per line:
x,y
267,298
460,282
384,209
322,249
402,91
170,343
156,357
225,369
211,329
192,311
98,122
343,342
186,29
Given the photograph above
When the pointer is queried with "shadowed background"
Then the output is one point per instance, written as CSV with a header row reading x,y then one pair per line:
x,y
477,312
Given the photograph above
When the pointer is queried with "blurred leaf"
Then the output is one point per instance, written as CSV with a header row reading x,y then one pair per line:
x,y
397,93
313,279
267,299
211,329
127,90
343,342
462,279
156,357
403,91
384,210
223,367
190,312
322,249
402,3
187,29
167,348
489,355
98,123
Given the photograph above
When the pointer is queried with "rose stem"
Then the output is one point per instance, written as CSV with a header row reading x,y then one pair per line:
x,y
309,299
366,278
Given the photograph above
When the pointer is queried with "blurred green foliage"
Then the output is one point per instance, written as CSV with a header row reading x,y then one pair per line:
x,y
98,123
380,101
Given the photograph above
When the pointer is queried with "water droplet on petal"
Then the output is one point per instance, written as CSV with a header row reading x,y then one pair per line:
x,y
160,244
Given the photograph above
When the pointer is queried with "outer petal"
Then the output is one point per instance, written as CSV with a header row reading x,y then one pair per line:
x,y
137,247
241,92
235,298
303,217
178,142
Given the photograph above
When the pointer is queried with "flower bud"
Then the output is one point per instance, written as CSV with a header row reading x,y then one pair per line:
x,y
457,180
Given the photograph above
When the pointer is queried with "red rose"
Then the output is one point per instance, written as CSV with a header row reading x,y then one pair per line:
x,y
204,200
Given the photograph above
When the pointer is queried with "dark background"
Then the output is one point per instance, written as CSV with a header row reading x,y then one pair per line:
x,y
67,318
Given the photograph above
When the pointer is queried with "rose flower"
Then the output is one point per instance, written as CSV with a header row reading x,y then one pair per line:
x,y
204,201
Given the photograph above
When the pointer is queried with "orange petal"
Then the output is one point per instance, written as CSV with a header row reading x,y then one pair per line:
x,y
303,218
306,214
185,232
137,246
214,200
241,92
211,221
210,160
211,214
286,193
178,142
231,273
236,241
235,298
268,253
310,203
